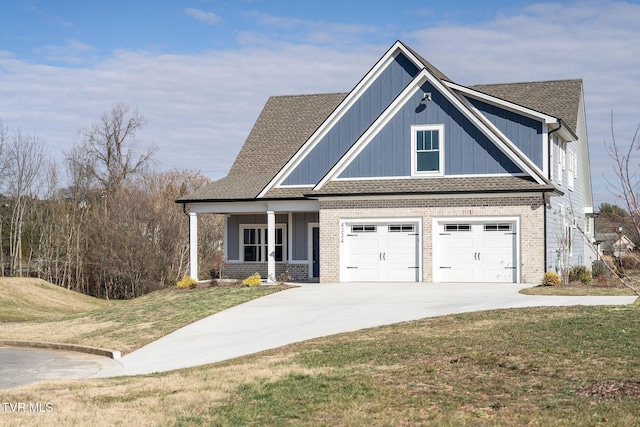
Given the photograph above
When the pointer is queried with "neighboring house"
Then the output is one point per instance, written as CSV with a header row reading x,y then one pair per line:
x,y
409,177
615,244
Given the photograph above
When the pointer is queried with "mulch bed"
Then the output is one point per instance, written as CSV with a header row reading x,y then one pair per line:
x,y
609,389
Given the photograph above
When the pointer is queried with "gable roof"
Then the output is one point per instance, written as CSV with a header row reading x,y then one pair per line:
x,y
287,122
282,127
558,98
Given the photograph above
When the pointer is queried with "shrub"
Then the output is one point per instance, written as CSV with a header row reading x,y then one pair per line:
x,y
599,268
551,279
187,282
629,262
602,280
579,273
253,280
284,277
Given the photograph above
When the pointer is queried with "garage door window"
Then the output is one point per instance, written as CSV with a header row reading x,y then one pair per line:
x,y
364,228
402,228
457,227
498,227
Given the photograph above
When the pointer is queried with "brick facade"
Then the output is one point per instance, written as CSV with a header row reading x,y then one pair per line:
x,y
529,208
240,271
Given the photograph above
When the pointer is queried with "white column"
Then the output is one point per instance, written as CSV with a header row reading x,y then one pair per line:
x,y
271,247
193,245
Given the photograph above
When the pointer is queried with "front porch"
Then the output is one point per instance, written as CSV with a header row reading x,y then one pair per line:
x,y
278,239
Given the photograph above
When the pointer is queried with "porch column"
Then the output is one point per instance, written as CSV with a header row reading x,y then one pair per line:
x,y
193,245
271,247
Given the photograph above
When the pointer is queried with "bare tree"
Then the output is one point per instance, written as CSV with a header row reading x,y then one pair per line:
x,y
109,153
25,157
626,186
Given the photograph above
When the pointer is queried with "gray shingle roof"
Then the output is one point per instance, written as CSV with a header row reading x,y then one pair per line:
x,y
557,98
431,186
283,126
286,122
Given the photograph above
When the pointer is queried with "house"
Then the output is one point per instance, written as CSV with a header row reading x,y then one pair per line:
x,y
614,244
409,177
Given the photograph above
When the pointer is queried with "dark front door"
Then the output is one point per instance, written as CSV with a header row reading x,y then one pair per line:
x,y
316,251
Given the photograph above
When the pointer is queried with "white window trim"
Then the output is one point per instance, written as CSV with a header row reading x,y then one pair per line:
x,y
572,171
414,151
560,162
263,244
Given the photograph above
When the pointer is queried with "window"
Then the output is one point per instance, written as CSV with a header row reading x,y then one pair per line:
x,y
364,228
561,161
427,144
497,227
572,170
457,227
402,228
255,240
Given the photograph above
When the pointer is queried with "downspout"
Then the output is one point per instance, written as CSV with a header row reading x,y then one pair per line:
x,y
544,196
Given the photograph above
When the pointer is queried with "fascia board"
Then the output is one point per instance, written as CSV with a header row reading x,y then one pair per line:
x,y
498,102
373,130
339,112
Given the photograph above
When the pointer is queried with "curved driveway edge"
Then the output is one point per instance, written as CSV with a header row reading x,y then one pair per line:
x,y
112,354
316,310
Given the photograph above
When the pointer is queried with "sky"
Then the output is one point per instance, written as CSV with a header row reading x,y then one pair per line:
x,y
200,71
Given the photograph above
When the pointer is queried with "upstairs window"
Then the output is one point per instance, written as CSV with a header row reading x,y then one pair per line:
x,y
427,144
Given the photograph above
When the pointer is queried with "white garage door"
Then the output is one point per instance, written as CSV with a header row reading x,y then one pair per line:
x,y
476,251
381,252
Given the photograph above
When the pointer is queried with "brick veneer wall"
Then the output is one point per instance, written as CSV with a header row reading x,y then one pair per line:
x,y
243,270
529,208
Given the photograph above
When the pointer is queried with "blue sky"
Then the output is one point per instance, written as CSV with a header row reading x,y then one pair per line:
x,y
201,70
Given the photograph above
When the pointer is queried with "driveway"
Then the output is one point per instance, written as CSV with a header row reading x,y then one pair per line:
x,y
317,310
21,366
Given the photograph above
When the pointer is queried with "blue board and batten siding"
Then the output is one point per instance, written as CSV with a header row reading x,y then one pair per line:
x,y
355,121
466,149
524,132
300,222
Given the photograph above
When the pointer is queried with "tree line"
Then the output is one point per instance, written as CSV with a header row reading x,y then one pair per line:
x,y
103,222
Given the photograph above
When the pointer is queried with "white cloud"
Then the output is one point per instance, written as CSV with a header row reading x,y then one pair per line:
x,y
201,107
72,52
202,16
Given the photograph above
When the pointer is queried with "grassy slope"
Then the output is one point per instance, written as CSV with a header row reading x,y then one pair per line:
x,y
64,316
28,299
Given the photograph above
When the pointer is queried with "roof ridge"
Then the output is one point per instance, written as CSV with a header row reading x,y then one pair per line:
x,y
526,82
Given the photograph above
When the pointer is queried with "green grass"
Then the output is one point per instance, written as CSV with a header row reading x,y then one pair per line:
x,y
503,367
118,325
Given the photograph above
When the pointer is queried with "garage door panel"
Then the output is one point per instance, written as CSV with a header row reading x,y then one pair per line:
x,y
389,253
476,251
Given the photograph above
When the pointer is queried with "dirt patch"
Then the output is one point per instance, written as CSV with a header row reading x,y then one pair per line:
x,y
612,389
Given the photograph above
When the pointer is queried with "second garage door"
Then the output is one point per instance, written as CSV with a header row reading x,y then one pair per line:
x,y
381,252
476,251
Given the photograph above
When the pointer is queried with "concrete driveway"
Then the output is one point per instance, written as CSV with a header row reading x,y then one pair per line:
x,y
19,366
317,310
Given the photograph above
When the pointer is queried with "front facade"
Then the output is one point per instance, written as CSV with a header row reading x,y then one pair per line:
x,y
409,177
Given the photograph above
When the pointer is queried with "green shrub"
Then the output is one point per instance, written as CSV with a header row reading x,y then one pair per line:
x,y
253,280
187,282
551,279
579,273
599,268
